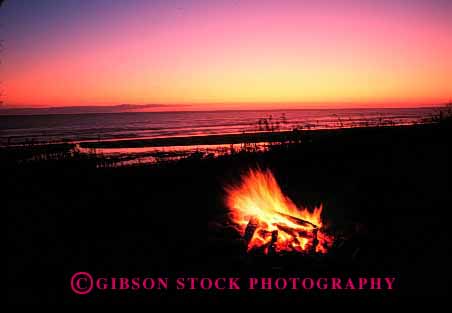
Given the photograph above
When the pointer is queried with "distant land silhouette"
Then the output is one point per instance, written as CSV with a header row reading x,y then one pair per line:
x,y
5,110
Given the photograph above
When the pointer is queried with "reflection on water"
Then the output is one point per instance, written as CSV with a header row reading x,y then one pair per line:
x,y
18,132
131,156
105,126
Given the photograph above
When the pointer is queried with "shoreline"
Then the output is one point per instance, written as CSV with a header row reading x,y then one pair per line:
x,y
193,134
131,151
225,139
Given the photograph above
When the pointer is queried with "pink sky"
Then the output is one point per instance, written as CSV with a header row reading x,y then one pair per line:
x,y
227,53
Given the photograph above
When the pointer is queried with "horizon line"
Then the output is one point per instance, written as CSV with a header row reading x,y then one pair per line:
x,y
135,108
347,104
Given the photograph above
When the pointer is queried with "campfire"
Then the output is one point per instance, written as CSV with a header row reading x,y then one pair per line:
x,y
270,222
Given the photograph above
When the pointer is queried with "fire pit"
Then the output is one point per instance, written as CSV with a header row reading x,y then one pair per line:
x,y
270,223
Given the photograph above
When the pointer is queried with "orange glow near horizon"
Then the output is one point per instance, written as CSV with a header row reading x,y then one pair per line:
x,y
277,54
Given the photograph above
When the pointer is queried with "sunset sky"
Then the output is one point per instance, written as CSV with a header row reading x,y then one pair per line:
x,y
217,54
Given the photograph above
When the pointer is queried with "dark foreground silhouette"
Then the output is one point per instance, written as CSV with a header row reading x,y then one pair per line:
x,y
387,190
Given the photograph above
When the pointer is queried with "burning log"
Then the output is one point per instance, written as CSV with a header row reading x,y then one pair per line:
x,y
315,240
276,224
272,246
297,220
288,230
312,233
306,234
250,229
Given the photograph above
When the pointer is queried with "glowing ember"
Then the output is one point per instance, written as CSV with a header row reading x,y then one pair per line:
x,y
270,221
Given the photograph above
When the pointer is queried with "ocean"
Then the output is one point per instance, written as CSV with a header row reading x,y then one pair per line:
x,y
21,129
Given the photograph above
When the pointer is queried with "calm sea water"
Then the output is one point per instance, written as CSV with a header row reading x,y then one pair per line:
x,y
101,126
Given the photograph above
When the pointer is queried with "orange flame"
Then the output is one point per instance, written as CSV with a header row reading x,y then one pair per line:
x,y
271,220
